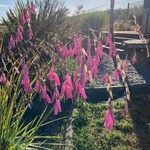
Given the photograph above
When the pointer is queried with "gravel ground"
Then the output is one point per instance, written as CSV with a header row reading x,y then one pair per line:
x,y
107,66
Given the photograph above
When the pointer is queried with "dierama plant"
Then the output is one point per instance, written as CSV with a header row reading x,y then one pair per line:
x,y
18,86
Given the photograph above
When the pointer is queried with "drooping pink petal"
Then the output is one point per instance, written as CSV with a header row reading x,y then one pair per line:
x,y
3,79
27,88
44,94
76,88
56,80
68,52
26,80
78,49
116,75
57,104
67,87
11,43
94,67
63,89
19,35
94,71
57,107
82,92
77,44
69,81
68,92
26,83
111,45
27,16
38,86
52,76
109,119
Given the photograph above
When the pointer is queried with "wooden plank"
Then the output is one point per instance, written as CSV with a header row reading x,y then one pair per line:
x,y
122,38
135,42
100,94
122,32
118,49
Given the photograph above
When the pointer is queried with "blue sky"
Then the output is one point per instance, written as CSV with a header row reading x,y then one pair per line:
x,y
72,4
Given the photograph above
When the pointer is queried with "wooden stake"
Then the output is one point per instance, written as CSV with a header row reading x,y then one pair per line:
x,y
112,4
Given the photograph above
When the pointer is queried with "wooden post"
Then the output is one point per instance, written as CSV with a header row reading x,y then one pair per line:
x,y
128,11
112,3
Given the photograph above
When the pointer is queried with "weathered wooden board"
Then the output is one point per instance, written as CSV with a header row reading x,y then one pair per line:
x,y
135,42
99,94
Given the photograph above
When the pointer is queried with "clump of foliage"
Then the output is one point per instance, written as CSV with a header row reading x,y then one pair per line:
x,y
15,134
49,23
98,21
90,134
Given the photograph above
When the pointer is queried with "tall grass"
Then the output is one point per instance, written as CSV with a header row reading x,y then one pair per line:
x,y
15,134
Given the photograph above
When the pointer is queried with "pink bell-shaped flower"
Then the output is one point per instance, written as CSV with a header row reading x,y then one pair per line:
x,y
26,84
3,79
44,94
109,119
37,86
67,52
26,80
82,92
67,87
116,75
19,35
57,104
52,76
27,16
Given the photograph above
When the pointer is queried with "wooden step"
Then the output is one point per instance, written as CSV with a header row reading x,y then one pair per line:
x,y
118,49
99,94
135,43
